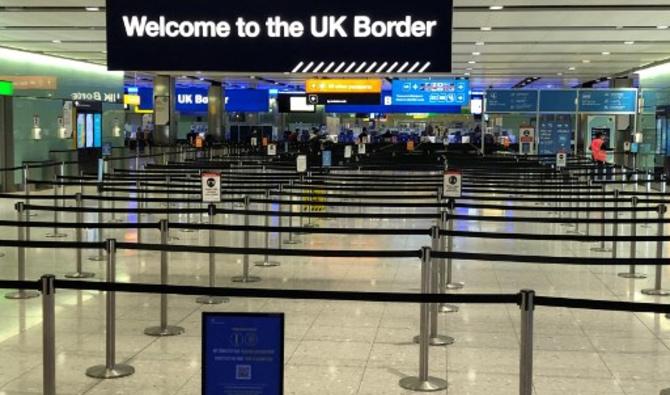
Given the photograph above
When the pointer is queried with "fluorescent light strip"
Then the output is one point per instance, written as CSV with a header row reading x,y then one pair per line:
x,y
372,66
425,67
403,67
330,66
308,67
382,67
358,70
351,66
340,67
296,68
393,66
417,64
317,68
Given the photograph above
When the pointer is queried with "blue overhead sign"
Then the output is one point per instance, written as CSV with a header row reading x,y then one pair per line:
x,y
604,101
518,101
555,135
192,99
558,101
242,353
247,100
436,92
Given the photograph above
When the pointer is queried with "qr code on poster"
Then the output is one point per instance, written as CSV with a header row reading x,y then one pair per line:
x,y
243,372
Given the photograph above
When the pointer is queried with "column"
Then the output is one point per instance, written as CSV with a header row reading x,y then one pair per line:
x,y
7,143
165,114
215,111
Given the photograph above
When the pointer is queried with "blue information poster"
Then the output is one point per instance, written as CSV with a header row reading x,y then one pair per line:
x,y
558,101
437,92
555,135
326,159
518,101
608,101
242,354
97,130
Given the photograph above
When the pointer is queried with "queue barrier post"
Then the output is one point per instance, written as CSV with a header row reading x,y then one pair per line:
x,y
110,370
26,188
245,277
424,382
664,183
56,234
48,292
266,262
615,225
588,208
526,350
79,271
577,192
188,208
631,273
101,237
602,247
280,218
450,283
211,213
164,329
21,252
444,242
648,191
435,338
292,240
658,281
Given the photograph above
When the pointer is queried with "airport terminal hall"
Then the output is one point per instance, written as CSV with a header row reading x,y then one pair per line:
x,y
345,197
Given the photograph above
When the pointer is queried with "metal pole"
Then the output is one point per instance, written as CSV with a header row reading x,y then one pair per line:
x,y
291,239
110,370
423,382
648,190
435,338
211,212
451,284
79,272
280,217
602,247
164,329
56,233
658,286
245,277
526,353
633,244
615,225
48,334
101,237
266,262
445,245
588,208
21,252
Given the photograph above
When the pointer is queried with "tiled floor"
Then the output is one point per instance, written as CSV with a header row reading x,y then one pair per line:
x,y
348,348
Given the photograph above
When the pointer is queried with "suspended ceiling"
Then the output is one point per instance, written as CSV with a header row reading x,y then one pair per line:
x,y
576,41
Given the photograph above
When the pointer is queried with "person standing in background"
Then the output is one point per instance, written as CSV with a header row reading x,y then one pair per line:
x,y
598,154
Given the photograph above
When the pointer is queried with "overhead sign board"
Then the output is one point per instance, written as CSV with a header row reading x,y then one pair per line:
x,y
608,101
6,88
211,187
343,86
242,353
297,36
452,184
558,101
446,92
508,101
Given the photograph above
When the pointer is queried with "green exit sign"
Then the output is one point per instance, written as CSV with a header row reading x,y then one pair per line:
x,y
6,88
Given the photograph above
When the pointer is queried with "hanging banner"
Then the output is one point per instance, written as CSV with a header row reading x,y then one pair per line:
x,y
299,36
211,187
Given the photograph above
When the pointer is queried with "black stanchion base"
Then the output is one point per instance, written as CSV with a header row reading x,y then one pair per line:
x,y
212,300
169,330
437,341
103,372
634,276
656,292
80,275
246,279
23,294
432,384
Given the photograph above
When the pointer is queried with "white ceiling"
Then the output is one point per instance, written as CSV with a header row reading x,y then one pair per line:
x,y
529,38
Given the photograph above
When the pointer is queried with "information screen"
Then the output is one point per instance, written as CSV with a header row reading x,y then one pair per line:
x,y
308,36
89,130
608,101
243,353
431,92
518,101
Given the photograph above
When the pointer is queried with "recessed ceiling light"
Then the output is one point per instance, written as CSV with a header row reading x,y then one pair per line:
x,y
56,41
496,7
572,68
472,62
92,8
586,61
559,74
466,74
486,28
605,53
662,27
629,42
480,43
476,53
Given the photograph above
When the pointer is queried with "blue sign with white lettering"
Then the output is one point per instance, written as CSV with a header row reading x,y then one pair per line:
x,y
518,101
192,99
326,159
242,353
558,101
604,101
438,92
555,135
